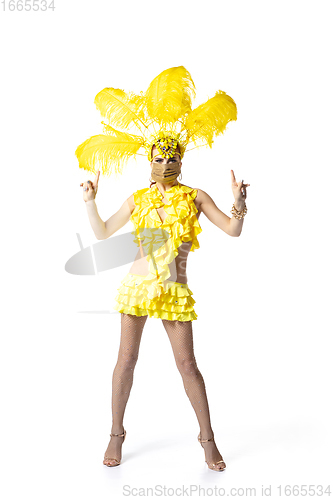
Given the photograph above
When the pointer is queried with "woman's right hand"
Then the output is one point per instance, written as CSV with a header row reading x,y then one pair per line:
x,y
90,188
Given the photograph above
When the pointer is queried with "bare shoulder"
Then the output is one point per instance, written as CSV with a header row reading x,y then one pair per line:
x,y
202,197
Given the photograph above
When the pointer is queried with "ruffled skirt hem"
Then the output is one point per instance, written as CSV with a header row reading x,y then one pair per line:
x,y
174,303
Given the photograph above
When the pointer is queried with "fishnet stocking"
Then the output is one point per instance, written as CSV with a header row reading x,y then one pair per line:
x,y
181,337
122,379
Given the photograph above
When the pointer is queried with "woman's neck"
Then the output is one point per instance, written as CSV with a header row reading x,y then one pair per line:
x,y
164,187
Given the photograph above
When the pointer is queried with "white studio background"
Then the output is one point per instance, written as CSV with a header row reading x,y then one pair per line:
x,y
263,336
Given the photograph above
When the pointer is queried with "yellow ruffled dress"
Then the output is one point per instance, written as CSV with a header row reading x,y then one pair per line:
x,y
153,294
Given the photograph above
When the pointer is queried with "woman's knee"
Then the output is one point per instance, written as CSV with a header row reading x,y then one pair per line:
x,y
127,362
187,366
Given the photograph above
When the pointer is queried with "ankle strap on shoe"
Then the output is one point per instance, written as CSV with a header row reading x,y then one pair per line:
x,y
205,440
120,435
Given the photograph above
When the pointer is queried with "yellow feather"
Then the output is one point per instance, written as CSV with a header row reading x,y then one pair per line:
x,y
110,151
121,109
169,95
166,106
210,118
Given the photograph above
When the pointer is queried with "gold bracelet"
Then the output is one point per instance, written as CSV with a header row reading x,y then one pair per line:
x,y
237,213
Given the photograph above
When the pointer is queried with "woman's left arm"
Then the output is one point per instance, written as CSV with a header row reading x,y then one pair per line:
x,y
230,225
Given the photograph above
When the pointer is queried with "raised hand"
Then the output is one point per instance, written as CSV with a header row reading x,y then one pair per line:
x,y
90,188
238,188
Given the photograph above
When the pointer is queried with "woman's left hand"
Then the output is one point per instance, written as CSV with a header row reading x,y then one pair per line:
x,y
238,188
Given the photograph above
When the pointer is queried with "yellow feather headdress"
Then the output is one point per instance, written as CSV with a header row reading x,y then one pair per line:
x,y
162,116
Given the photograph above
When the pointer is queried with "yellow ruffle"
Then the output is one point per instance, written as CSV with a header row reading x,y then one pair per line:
x,y
174,303
160,241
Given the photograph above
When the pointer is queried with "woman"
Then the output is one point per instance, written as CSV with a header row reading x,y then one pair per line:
x,y
135,309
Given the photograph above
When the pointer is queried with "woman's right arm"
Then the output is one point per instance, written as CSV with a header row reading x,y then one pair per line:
x,y
105,229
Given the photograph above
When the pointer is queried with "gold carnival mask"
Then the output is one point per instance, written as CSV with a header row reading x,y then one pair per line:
x,y
165,172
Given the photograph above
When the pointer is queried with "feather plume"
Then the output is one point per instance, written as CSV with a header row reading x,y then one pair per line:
x,y
210,118
165,107
169,95
111,151
121,109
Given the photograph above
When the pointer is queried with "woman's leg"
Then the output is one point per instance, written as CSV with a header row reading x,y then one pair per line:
x,y
122,379
181,337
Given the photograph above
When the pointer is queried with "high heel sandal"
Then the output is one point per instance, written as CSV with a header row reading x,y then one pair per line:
x,y
106,459
212,465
